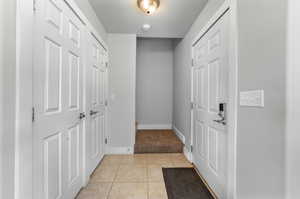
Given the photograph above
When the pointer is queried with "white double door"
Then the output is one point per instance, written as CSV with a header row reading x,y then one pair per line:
x,y
209,90
97,85
65,84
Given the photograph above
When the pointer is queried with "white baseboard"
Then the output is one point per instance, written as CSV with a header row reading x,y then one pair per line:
x,y
119,150
179,135
188,154
154,126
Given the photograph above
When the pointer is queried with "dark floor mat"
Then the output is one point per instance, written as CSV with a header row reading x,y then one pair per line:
x,y
185,183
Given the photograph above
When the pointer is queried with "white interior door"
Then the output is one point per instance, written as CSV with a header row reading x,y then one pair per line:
x,y
209,90
57,101
96,102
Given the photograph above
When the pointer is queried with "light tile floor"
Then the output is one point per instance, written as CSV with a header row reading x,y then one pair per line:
x,y
136,176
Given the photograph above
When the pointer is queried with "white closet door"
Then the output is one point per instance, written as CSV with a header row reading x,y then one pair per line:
x,y
58,72
209,90
96,102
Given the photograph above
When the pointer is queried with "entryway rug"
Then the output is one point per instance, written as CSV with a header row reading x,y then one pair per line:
x,y
185,183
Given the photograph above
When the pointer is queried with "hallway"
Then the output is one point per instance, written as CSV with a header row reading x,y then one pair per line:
x,y
136,176
149,99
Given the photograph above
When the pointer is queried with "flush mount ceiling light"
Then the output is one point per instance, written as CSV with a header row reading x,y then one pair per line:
x,y
148,6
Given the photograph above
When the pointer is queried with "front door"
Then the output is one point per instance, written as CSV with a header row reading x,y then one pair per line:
x,y
96,102
58,72
209,95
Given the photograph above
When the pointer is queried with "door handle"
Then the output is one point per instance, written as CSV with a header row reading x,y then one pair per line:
x,y
82,115
93,112
221,121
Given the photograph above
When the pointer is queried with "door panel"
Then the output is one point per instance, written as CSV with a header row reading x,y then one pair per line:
x,y
93,138
200,138
58,75
96,103
209,89
73,153
53,166
74,81
214,83
213,149
54,14
53,73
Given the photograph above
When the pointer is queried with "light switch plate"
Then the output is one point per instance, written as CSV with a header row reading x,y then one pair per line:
x,y
254,98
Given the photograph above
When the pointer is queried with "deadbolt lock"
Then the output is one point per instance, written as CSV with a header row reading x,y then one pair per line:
x,y
222,114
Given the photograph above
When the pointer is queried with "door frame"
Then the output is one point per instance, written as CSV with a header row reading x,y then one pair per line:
x,y
292,176
23,172
88,36
229,7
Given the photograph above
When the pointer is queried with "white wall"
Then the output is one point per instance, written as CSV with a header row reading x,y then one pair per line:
x,y
182,76
89,12
154,83
122,81
7,96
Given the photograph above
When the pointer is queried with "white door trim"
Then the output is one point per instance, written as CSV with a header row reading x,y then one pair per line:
x,y
230,6
24,101
292,178
24,92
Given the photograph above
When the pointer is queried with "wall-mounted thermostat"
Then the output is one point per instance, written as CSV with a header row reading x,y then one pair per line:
x,y
253,98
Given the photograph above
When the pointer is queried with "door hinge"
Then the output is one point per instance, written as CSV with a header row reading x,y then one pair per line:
x,y
106,64
192,62
106,103
105,141
192,148
192,105
33,114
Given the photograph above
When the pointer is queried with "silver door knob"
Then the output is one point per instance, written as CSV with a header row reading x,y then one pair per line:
x,y
81,115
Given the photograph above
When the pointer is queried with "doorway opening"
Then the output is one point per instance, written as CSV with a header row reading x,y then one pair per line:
x,y
154,97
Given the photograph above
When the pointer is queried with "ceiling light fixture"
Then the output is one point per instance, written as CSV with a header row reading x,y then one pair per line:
x,y
148,6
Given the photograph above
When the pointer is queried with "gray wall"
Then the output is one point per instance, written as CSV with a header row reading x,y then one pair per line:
x,y
7,96
122,89
89,12
182,66
154,81
262,59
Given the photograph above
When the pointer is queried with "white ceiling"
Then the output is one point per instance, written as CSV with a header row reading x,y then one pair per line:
x,y
172,20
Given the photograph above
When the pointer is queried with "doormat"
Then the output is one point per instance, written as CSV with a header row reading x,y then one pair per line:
x,y
185,183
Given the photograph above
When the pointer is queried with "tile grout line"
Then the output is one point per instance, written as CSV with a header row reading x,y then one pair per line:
x,y
113,183
108,193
